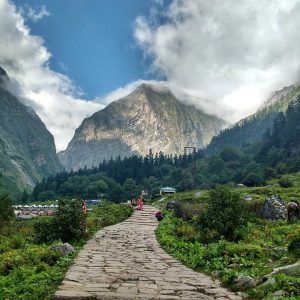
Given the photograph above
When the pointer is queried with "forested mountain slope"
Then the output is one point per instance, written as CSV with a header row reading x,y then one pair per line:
x,y
252,128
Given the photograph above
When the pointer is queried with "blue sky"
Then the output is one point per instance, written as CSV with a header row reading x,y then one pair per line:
x,y
225,57
92,41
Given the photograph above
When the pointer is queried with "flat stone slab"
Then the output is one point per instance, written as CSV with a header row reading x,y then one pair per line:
x,y
125,261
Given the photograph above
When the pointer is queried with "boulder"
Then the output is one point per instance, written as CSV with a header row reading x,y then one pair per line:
x,y
243,295
171,205
269,281
64,249
244,282
290,270
198,194
274,208
277,295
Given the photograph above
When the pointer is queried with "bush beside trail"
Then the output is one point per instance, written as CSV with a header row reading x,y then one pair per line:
x,y
6,211
68,223
224,216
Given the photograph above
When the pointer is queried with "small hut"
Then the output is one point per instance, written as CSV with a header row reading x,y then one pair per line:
x,y
167,190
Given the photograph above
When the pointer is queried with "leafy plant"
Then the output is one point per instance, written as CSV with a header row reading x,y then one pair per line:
x,y
69,223
285,182
225,213
294,245
6,211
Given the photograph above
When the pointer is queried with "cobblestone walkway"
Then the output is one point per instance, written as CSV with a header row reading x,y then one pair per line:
x,y
125,261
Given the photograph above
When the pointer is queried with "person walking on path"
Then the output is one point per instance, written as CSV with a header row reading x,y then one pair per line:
x,y
140,203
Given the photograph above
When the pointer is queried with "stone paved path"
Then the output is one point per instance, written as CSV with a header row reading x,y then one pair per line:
x,y
125,261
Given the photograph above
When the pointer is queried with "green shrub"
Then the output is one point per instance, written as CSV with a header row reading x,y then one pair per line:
x,y
45,230
294,246
70,220
111,214
225,214
285,182
6,211
208,235
187,211
187,231
289,284
69,223
17,241
29,256
254,179
251,251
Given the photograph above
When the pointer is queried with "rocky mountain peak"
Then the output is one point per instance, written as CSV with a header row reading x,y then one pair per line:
x,y
149,88
148,118
279,95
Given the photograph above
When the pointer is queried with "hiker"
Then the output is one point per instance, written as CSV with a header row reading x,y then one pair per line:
x,y
159,216
140,203
84,207
133,202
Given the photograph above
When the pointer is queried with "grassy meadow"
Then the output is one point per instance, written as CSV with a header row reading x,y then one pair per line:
x,y
30,270
258,247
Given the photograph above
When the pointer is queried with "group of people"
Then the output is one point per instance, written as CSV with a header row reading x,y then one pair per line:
x,y
138,203
139,206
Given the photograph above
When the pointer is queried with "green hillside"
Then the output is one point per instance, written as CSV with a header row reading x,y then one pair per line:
x,y
251,129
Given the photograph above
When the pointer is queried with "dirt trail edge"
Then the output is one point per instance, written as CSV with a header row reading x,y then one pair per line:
x,y
125,261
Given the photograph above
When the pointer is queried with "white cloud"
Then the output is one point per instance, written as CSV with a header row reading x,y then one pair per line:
x,y
231,54
127,89
34,13
51,94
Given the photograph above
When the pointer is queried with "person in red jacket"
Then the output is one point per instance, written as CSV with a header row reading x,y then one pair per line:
x,y
159,216
140,203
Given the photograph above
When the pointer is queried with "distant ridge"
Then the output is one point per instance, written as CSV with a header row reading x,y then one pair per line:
x,y
252,128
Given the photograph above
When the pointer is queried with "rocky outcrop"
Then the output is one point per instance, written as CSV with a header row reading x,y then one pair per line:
x,y
27,149
290,270
274,208
148,118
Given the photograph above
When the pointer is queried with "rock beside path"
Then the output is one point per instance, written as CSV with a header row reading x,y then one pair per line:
x,y
274,208
290,270
125,261
244,282
64,249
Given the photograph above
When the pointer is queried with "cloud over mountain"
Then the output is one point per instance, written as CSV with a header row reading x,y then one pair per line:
x,y
230,53
26,59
